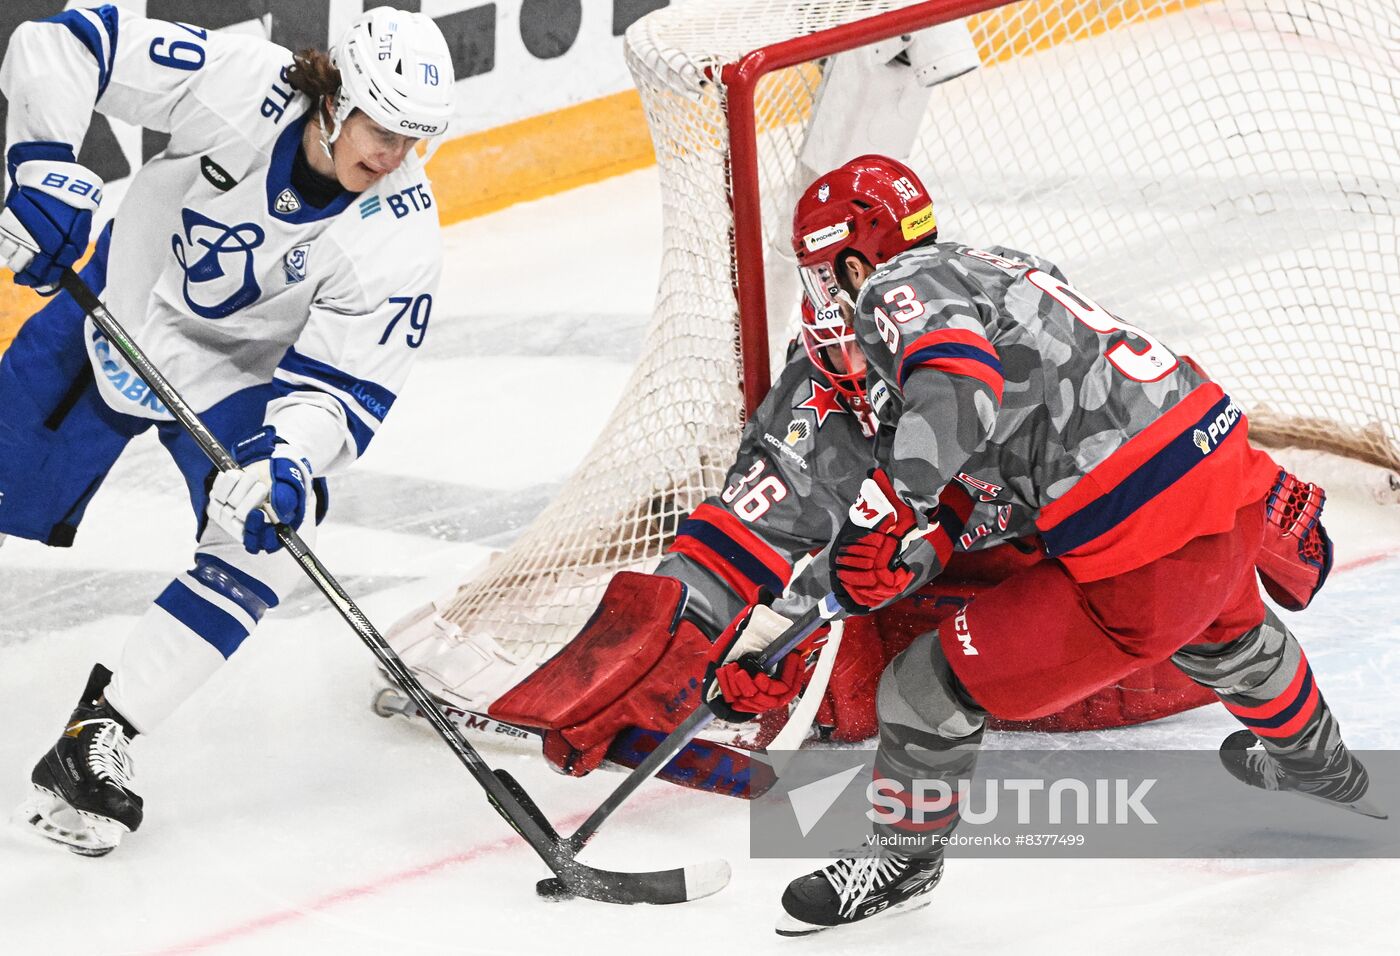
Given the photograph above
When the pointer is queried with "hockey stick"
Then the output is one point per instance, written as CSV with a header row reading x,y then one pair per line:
x,y
704,765
826,609
505,794
799,722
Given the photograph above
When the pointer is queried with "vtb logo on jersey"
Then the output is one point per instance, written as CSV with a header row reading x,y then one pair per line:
x,y
218,264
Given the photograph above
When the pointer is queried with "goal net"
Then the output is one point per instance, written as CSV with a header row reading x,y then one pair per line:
x,y
1220,172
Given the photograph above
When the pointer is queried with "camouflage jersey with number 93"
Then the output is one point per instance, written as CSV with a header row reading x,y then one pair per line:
x,y
991,370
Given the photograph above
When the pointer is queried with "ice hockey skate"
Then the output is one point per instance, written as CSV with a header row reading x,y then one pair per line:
x,y
1339,780
856,888
82,798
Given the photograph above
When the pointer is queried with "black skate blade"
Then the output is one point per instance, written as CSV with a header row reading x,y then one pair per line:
x,y
1363,807
789,925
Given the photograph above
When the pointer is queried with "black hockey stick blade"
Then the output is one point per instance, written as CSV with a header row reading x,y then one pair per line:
x,y
573,878
659,887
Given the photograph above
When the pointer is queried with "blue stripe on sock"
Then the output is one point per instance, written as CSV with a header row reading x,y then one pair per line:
x,y
221,629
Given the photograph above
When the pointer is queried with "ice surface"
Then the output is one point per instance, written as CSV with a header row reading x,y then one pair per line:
x,y
284,817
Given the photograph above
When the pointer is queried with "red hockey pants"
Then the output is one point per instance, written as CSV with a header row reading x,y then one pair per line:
x,y
1042,640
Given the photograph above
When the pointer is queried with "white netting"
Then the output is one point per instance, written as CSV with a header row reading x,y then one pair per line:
x,y
1224,173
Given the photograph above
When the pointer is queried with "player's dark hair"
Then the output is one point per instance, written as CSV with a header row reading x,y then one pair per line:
x,y
313,73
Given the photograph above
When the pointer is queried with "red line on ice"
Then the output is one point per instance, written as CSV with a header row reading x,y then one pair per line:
x,y
369,888
1365,560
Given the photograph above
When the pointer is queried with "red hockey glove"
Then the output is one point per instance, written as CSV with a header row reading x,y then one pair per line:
x,y
1297,553
866,570
736,687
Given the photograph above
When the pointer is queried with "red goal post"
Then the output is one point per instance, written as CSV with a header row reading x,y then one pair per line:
x,y
741,79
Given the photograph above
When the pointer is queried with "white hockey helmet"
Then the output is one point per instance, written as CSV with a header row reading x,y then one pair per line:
x,y
395,67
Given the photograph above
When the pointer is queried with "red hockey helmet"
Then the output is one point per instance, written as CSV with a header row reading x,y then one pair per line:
x,y
874,206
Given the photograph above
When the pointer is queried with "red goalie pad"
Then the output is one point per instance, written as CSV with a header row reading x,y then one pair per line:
x,y
636,663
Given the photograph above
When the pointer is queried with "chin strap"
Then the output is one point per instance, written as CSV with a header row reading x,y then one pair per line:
x,y
336,125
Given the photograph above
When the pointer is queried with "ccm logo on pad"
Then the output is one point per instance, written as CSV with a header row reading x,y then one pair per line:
x,y
963,635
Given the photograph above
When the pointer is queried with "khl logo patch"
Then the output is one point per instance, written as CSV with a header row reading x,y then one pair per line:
x,y
221,280
287,202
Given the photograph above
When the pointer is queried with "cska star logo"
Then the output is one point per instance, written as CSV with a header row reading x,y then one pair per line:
x,y
823,402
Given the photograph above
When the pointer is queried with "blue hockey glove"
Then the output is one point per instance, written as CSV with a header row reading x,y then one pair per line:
x,y
272,477
47,219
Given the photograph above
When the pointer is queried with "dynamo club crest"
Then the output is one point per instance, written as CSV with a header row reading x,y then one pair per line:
x,y
218,264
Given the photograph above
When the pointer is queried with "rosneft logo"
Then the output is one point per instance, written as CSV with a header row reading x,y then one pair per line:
x,y
918,224
829,236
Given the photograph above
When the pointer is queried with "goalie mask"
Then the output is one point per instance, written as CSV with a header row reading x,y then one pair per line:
x,y
830,343
395,68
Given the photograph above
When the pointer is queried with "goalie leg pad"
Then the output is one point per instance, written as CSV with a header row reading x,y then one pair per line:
x,y
1297,553
636,663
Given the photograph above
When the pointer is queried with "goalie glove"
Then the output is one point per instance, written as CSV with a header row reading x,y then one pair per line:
x,y
737,688
269,488
47,219
1297,553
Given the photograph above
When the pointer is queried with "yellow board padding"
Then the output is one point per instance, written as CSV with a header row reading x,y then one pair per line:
x,y
18,302
1020,29
544,155
537,157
